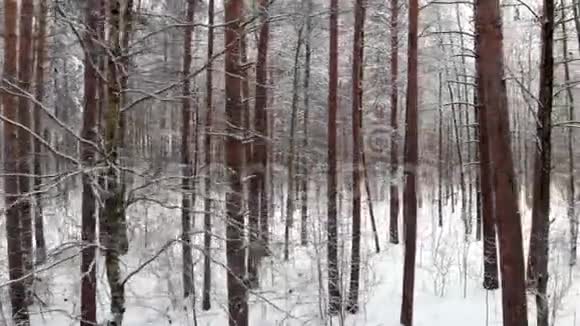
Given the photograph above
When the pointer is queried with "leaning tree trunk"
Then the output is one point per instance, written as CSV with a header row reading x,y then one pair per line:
x,y
40,50
334,297
9,117
539,239
237,291
411,167
88,153
508,220
186,181
206,299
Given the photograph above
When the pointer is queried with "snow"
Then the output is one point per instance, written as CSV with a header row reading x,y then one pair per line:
x,y
448,280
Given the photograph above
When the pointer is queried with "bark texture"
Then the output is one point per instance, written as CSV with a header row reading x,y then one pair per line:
x,y
16,270
489,27
89,132
237,291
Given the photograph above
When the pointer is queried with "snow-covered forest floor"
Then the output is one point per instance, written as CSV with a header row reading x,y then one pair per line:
x,y
448,281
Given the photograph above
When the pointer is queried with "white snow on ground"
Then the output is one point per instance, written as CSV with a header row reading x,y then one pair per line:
x,y
292,293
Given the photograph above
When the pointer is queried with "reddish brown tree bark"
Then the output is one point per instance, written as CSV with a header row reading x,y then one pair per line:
x,y
11,146
89,132
237,292
334,298
253,191
508,220
411,168
490,269
25,64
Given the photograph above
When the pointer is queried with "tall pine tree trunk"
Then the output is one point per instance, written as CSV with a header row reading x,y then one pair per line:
x,y
539,239
187,173
507,216
206,300
490,267
394,188
261,124
357,55
16,268
40,50
334,297
24,138
116,241
292,149
411,167
237,291
253,191
305,141
571,177
94,17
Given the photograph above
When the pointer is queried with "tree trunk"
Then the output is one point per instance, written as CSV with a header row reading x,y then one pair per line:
x,y
116,242
464,217
334,297
539,238
411,168
571,178
306,91
252,187
24,139
291,164
237,291
357,55
88,153
40,253
508,220
394,188
186,181
261,123
467,188
478,176
16,268
206,300
490,268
